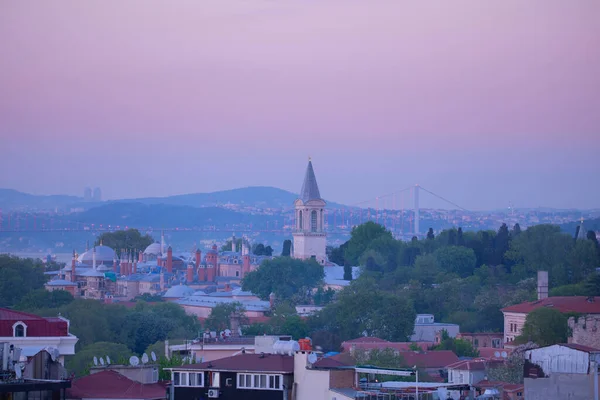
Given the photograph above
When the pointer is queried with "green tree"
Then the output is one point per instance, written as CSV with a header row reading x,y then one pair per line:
x,y
18,277
455,259
362,308
460,240
262,250
286,320
238,245
426,269
41,298
383,358
512,370
287,248
130,240
323,297
360,239
460,347
347,273
80,363
258,329
288,278
221,315
545,326
501,244
430,234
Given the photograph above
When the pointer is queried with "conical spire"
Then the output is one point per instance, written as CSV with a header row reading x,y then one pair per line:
x,y
582,235
310,189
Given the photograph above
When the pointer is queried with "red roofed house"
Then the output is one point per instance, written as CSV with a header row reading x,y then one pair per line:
x,y
470,371
514,316
508,391
33,333
435,363
109,385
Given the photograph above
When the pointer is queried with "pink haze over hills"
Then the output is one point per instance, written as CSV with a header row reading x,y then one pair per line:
x,y
482,102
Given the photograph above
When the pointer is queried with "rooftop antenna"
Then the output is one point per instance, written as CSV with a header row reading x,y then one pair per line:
x,y
504,354
134,361
497,354
312,358
153,356
145,358
95,360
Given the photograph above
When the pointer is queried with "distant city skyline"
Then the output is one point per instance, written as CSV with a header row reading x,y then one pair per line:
x,y
485,104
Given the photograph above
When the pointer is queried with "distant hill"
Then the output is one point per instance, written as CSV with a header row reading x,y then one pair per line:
x,y
14,200
256,196
164,216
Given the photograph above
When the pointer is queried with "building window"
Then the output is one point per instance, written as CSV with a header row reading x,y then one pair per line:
x,y
259,381
188,379
476,342
19,329
300,220
237,273
313,221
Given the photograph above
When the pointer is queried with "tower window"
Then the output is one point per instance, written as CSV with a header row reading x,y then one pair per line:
x,y
313,221
300,220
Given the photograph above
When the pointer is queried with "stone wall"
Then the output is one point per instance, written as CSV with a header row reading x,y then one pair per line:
x,y
560,387
341,378
585,331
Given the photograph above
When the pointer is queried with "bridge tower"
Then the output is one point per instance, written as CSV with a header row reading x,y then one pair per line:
x,y
309,234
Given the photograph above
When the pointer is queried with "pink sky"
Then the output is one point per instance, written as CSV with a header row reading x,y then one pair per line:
x,y
482,102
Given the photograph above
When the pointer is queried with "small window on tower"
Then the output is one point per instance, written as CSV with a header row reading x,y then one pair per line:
x,y
313,221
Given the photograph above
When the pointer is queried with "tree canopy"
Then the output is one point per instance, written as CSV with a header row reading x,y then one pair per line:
x,y
288,278
545,327
130,240
18,277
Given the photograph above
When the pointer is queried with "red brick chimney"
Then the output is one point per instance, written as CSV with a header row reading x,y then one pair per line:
x,y
73,268
134,267
210,272
141,256
198,258
201,274
169,259
245,265
190,274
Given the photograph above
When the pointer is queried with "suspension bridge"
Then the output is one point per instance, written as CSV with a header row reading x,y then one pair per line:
x,y
398,211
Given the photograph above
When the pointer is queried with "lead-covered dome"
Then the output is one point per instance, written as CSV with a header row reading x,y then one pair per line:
x,y
104,254
153,249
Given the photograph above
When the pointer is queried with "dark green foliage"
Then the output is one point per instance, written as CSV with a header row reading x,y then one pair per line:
x,y
545,327
130,240
361,237
81,362
221,315
287,248
323,297
41,298
430,234
238,245
262,250
288,278
460,240
347,273
18,277
460,347
363,308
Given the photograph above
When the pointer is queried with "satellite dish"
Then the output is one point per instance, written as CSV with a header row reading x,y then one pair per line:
x,y
504,354
95,360
102,361
227,332
153,356
134,361
107,360
144,358
497,354
18,373
312,358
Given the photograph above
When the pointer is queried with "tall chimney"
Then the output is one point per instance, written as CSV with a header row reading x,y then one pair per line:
x,y
190,273
201,274
94,258
73,268
233,243
169,259
542,286
162,242
198,257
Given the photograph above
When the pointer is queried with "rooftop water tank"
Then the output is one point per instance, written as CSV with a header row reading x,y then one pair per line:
x,y
286,347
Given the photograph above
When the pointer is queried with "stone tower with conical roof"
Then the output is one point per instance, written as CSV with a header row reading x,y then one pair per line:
x,y
309,232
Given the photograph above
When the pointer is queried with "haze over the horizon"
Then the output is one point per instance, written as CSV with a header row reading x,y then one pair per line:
x,y
485,103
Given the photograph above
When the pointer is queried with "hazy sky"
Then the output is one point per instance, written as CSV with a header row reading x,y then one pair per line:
x,y
482,102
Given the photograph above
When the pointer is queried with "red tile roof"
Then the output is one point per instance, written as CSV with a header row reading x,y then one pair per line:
x,y
490,352
428,359
508,387
577,304
36,326
329,362
399,346
580,347
248,362
112,385
365,339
